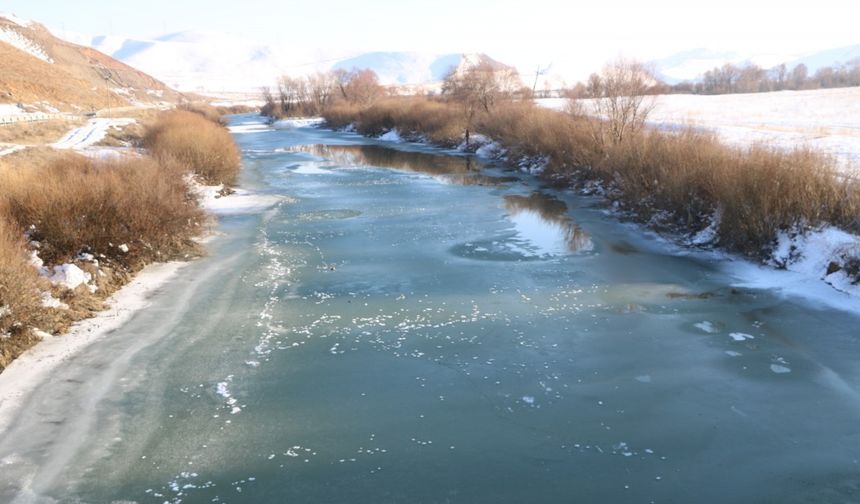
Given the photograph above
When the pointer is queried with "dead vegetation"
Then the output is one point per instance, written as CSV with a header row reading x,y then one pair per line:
x,y
109,217
675,180
38,133
204,147
128,210
19,293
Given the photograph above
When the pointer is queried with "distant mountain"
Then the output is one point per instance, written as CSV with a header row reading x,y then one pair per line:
x,y
403,67
46,73
200,61
216,62
692,64
418,69
829,57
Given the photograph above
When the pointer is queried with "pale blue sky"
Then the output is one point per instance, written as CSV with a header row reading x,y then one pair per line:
x,y
515,30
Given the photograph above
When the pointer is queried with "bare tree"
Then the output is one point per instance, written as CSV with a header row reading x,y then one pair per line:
x,y
799,76
620,98
363,87
480,88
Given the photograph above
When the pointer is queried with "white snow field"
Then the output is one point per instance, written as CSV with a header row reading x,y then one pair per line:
x,y
827,120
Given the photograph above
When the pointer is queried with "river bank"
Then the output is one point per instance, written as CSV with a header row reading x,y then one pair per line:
x,y
663,182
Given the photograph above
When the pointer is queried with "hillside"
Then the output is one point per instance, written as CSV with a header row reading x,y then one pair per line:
x,y
45,73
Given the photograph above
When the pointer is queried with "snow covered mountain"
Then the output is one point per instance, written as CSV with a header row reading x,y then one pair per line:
x,y
402,68
216,62
212,62
46,73
690,65
202,61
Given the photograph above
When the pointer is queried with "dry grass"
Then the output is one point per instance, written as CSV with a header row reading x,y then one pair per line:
x,y
685,176
436,121
237,109
204,109
758,191
19,294
39,132
200,145
76,203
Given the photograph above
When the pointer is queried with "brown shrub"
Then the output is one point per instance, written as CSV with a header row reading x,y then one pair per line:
x,y
203,109
196,143
236,109
686,176
19,294
341,114
527,130
78,203
436,121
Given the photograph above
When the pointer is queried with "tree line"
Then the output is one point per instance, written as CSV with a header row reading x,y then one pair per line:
x,y
478,87
309,95
750,78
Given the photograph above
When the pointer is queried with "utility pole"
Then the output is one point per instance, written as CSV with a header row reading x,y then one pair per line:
x,y
107,90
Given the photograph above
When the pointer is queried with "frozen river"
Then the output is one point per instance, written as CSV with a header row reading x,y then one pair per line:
x,y
420,327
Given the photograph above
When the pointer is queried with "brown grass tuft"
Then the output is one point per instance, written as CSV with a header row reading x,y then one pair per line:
x,y
200,145
438,122
19,294
77,203
204,109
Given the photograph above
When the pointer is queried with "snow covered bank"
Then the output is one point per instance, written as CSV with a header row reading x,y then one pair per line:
x,y
299,122
32,368
827,258
239,201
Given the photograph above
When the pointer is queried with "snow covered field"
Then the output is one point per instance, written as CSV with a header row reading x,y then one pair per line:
x,y
824,119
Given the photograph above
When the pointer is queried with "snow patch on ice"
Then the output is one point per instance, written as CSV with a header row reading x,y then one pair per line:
x,y
306,169
302,122
706,326
813,253
223,390
241,201
739,336
249,128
